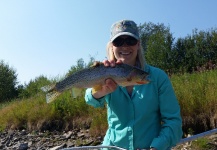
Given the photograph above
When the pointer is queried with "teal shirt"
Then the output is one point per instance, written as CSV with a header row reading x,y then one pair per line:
x,y
150,117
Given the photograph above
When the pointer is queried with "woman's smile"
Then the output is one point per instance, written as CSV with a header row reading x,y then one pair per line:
x,y
125,53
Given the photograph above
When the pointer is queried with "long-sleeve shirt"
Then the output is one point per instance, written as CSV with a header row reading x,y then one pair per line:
x,y
150,117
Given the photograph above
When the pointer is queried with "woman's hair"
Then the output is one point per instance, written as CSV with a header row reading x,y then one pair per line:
x,y
140,60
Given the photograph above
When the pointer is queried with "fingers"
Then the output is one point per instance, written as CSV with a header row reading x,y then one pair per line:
x,y
110,85
107,88
108,63
111,63
119,62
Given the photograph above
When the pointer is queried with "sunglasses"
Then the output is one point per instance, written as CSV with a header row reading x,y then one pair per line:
x,y
129,41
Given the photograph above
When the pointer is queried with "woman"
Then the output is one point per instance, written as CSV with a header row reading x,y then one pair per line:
x,y
141,116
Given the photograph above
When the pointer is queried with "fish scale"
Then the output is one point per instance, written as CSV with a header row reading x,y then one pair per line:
x,y
95,76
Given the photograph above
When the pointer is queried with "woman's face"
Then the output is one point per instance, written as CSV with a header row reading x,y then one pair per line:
x,y
123,50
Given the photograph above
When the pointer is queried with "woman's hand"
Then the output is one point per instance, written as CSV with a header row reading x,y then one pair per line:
x,y
111,63
110,84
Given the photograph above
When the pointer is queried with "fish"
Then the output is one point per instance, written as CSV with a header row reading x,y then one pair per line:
x,y
94,77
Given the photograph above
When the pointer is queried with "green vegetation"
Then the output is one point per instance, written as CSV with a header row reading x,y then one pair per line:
x,y
199,144
8,82
197,94
63,114
190,61
194,52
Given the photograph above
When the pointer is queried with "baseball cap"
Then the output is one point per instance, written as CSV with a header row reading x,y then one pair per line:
x,y
124,27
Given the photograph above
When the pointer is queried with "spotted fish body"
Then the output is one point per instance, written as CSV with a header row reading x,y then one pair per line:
x,y
95,76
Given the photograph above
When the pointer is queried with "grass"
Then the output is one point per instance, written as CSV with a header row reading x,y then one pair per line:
x,y
197,95
25,113
199,144
62,114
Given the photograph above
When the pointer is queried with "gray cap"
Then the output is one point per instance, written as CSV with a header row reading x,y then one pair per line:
x,y
124,27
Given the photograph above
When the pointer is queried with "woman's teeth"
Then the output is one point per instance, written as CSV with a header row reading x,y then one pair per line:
x,y
124,53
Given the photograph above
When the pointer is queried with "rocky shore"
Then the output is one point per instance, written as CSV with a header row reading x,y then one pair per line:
x,y
24,140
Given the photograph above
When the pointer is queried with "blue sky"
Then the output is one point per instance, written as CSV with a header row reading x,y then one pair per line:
x,y
47,37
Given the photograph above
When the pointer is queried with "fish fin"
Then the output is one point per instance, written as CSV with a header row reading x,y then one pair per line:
x,y
48,88
96,63
123,84
51,92
76,92
96,88
51,96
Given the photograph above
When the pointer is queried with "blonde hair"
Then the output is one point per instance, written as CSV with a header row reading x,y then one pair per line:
x,y
140,59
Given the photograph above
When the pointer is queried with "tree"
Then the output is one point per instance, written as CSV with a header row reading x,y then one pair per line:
x,y
205,45
80,65
8,81
179,53
195,51
213,45
33,87
157,42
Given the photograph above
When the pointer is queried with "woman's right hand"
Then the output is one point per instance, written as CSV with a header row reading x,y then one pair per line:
x,y
110,84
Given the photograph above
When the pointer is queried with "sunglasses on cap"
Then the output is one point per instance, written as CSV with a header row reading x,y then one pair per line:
x,y
129,41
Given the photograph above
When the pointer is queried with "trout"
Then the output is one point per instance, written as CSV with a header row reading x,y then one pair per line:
x,y
95,76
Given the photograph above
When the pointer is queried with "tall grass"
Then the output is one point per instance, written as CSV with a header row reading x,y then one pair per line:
x,y
24,113
62,114
197,95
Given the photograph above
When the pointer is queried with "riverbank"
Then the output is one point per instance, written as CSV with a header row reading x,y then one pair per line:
x,y
24,140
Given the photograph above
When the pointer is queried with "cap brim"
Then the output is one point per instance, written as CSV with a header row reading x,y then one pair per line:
x,y
124,33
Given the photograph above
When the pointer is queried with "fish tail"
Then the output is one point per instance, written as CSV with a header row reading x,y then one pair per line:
x,y
51,96
52,93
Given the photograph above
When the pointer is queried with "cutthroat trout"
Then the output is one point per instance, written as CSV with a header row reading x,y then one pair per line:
x,y
95,76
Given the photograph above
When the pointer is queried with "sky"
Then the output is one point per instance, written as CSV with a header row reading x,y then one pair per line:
x,y
48,37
